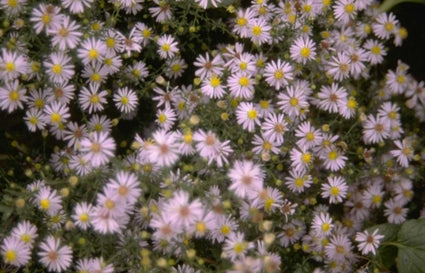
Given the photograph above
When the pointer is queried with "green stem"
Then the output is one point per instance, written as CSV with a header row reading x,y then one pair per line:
x,y
389,4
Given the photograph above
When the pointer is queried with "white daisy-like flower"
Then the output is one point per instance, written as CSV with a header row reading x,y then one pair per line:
x,y
26,232
303,49
235,246
336,189
48,200
12,96
167,46
207,67
293,102
45,17
298,180
385,25
54,256
125,186
165,150
278,74
15,251
59,67
332,98
98,148
339,66
241,85
91,51
12,65
181,212
322,224
260,31
91,99
83,213
246,178
375,51
274,127
247,116
368,242
404,153
345,10
125,100
77,6
375,129
65,35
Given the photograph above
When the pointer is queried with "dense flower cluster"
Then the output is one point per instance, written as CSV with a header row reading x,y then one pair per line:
x,y
271,143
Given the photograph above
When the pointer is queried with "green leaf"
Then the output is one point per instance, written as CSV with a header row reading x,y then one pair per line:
x,y
387,253
411,248
389,4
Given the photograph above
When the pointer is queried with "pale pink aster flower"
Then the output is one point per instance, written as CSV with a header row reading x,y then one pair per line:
x,y
165,150
15,251
54,256
368,242
246,178
98,148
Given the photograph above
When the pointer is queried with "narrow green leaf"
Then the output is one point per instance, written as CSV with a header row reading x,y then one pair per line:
x,y
387,5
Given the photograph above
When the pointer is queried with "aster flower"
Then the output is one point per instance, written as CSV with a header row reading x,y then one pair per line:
x,y
98,148
165,150
302,50
368,242
278,74
15,251
12,96
54,256
246,178
125,100
335,190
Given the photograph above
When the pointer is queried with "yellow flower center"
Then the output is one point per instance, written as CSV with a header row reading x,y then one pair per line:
x,y
401,79
176,68
299,182
45,204
26,238
256,30
349,8
124,100
376,50
108,61
215,81
332,155
10,255
241,21
84,217
33,120
10,67
98,127
225,229
45,18
201,227
306,158
268,203
95,147
162,118
165,47
55,117
12,3
93,54
334,190
252,114
309,136
146,33
352,103
326,227
243,81
293,101
278,74
239,248
57,69
376,199
14,95
307,8
389,26
94,99
187,138
96,77
109,204
305,52
243,65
